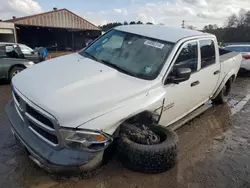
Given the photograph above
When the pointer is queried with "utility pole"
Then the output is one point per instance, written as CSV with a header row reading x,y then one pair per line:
x,y
183,24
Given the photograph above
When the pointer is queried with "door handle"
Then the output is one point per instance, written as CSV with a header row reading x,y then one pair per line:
x,y
195,83
216,72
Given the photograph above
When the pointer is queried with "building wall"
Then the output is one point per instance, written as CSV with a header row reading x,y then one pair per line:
x,y
7,32
7,25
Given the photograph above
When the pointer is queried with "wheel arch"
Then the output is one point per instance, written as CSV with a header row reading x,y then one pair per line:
x,y
224,81
12,66
233,78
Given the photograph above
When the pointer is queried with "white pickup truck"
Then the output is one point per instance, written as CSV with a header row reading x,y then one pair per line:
x,y
67,111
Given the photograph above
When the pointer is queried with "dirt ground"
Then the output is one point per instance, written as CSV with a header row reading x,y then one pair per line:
x,y
214,151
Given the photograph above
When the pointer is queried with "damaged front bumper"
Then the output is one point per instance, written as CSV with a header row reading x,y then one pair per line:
x,y
47,157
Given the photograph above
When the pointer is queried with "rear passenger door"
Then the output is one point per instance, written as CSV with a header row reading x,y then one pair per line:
x,y
209,68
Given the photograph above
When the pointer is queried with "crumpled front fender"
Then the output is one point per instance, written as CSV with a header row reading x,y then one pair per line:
x,y
108,123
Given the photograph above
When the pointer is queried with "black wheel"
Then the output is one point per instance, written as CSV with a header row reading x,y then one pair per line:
x,y
223,96
14,71
153,158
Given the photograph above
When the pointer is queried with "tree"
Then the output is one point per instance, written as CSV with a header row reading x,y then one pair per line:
x,y
232,21
210,27
215,26
110,26
247,19
241,18
192,27
237,28
149,23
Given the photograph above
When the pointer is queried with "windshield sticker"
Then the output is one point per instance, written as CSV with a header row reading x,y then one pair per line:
x,y
154,44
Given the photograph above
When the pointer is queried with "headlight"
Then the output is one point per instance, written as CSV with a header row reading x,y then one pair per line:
x,y
27,64
85,139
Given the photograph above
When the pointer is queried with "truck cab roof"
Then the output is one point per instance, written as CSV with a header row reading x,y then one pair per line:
x,y
161,32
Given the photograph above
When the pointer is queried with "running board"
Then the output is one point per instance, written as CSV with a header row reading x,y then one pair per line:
x,y
190,116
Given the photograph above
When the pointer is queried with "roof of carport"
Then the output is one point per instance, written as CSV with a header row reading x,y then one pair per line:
x,y
61,18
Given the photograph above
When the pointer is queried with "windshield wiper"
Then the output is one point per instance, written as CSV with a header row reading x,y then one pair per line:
x,y
117,68
105,62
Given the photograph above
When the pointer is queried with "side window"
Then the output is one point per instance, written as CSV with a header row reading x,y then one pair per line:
x,y
188,57
25,49
207,52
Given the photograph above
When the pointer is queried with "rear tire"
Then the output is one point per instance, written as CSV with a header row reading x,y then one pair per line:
x,y
154,158
13,72
223,96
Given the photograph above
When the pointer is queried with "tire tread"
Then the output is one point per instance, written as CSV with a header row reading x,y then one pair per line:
x,y
149,158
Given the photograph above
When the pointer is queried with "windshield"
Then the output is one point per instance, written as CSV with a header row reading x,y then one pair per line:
x,y
132,54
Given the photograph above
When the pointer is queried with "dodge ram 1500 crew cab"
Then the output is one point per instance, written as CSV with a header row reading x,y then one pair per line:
x,y
66,111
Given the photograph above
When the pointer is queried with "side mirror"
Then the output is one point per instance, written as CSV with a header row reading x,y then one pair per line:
x,y
181,75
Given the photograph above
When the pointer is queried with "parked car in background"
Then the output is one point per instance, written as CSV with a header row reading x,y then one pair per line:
x,y
10,63
37,55
244,49
135,74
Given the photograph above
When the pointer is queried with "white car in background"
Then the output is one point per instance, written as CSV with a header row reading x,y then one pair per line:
x,y
244,49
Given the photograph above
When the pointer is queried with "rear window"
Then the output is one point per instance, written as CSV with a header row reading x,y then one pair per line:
x,y
238,48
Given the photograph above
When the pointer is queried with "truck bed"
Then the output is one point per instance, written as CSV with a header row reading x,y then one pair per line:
x,y
230,62
227,56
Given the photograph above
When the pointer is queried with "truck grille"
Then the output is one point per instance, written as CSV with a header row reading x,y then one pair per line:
x,y
17,97
39,122
38,116
52,138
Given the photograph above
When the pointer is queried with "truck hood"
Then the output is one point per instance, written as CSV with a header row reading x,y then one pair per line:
x,y
75,89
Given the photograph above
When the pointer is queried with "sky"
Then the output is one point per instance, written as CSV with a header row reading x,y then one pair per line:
x,y
168,12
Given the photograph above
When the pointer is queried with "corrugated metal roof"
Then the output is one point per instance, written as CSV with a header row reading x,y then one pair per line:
x,y
61,18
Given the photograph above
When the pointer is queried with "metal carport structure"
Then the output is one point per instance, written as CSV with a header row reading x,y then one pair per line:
x,y
57,30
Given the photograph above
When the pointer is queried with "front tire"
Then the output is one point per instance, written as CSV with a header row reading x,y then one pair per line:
x,y
13,72
223,96
154,158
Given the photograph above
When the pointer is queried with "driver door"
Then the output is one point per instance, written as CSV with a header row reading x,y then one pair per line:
x,y
181,98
